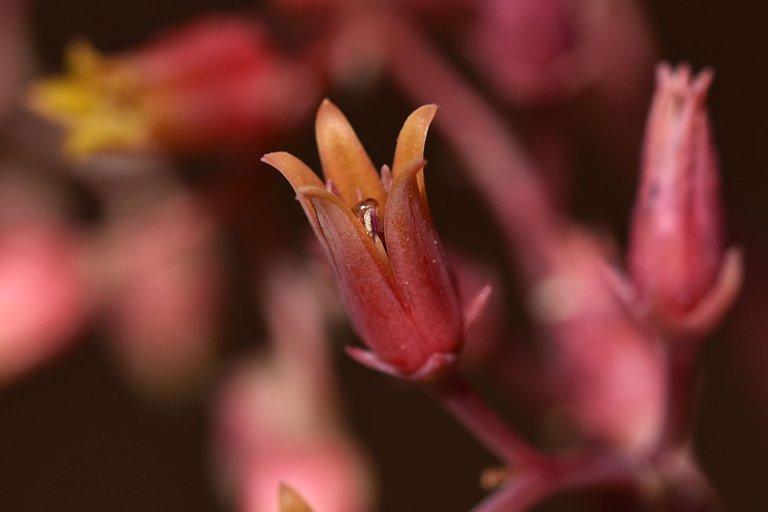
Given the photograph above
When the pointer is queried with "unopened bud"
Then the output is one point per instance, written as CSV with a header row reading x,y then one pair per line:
x,y
677,257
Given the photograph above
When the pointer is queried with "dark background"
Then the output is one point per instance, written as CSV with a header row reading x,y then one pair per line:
x,y
75,437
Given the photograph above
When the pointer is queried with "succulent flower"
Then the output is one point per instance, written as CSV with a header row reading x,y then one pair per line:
x,y
378,235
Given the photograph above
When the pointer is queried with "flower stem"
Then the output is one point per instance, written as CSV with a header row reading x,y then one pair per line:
x,y
469,409
567,473
500,168
681,390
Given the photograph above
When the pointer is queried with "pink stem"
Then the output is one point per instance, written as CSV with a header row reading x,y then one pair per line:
x,y
569,473
520,494
681,390
464,404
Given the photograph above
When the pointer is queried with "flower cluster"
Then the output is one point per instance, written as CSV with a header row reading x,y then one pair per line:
x,y
136,210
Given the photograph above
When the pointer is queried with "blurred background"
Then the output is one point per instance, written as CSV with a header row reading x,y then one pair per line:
x,y
76,434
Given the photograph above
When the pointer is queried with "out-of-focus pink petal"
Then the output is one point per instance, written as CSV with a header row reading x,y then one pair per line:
x,y
208,46
44,295
298,175
273,428
525,46
165,290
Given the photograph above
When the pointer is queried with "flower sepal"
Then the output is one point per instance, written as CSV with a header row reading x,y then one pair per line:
x,y
475,306
717,301
436,367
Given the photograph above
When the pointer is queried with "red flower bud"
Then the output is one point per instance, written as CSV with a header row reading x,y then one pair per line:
x,y
677,258
380,241
212,83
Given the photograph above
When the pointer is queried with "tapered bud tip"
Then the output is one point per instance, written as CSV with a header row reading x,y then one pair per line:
x,y
681,82
289,500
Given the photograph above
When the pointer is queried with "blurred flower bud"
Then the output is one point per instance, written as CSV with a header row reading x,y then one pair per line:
x,y
278,430
677,257
274,428
524,46
44,296
211,84
378,235
608,368
539,52
164,285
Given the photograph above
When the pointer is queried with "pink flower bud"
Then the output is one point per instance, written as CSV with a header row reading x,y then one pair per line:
x,y
165,286
380,241
541,52
524,46
44,296
273,429
677,257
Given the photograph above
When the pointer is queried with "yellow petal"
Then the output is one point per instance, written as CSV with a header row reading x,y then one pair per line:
x,y
290,500
299,176
410,142
99,102
344,159
295,171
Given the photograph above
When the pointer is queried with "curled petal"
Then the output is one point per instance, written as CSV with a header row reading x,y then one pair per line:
x,y
299,176
344,159
295,171
420,266
410,142
367,285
